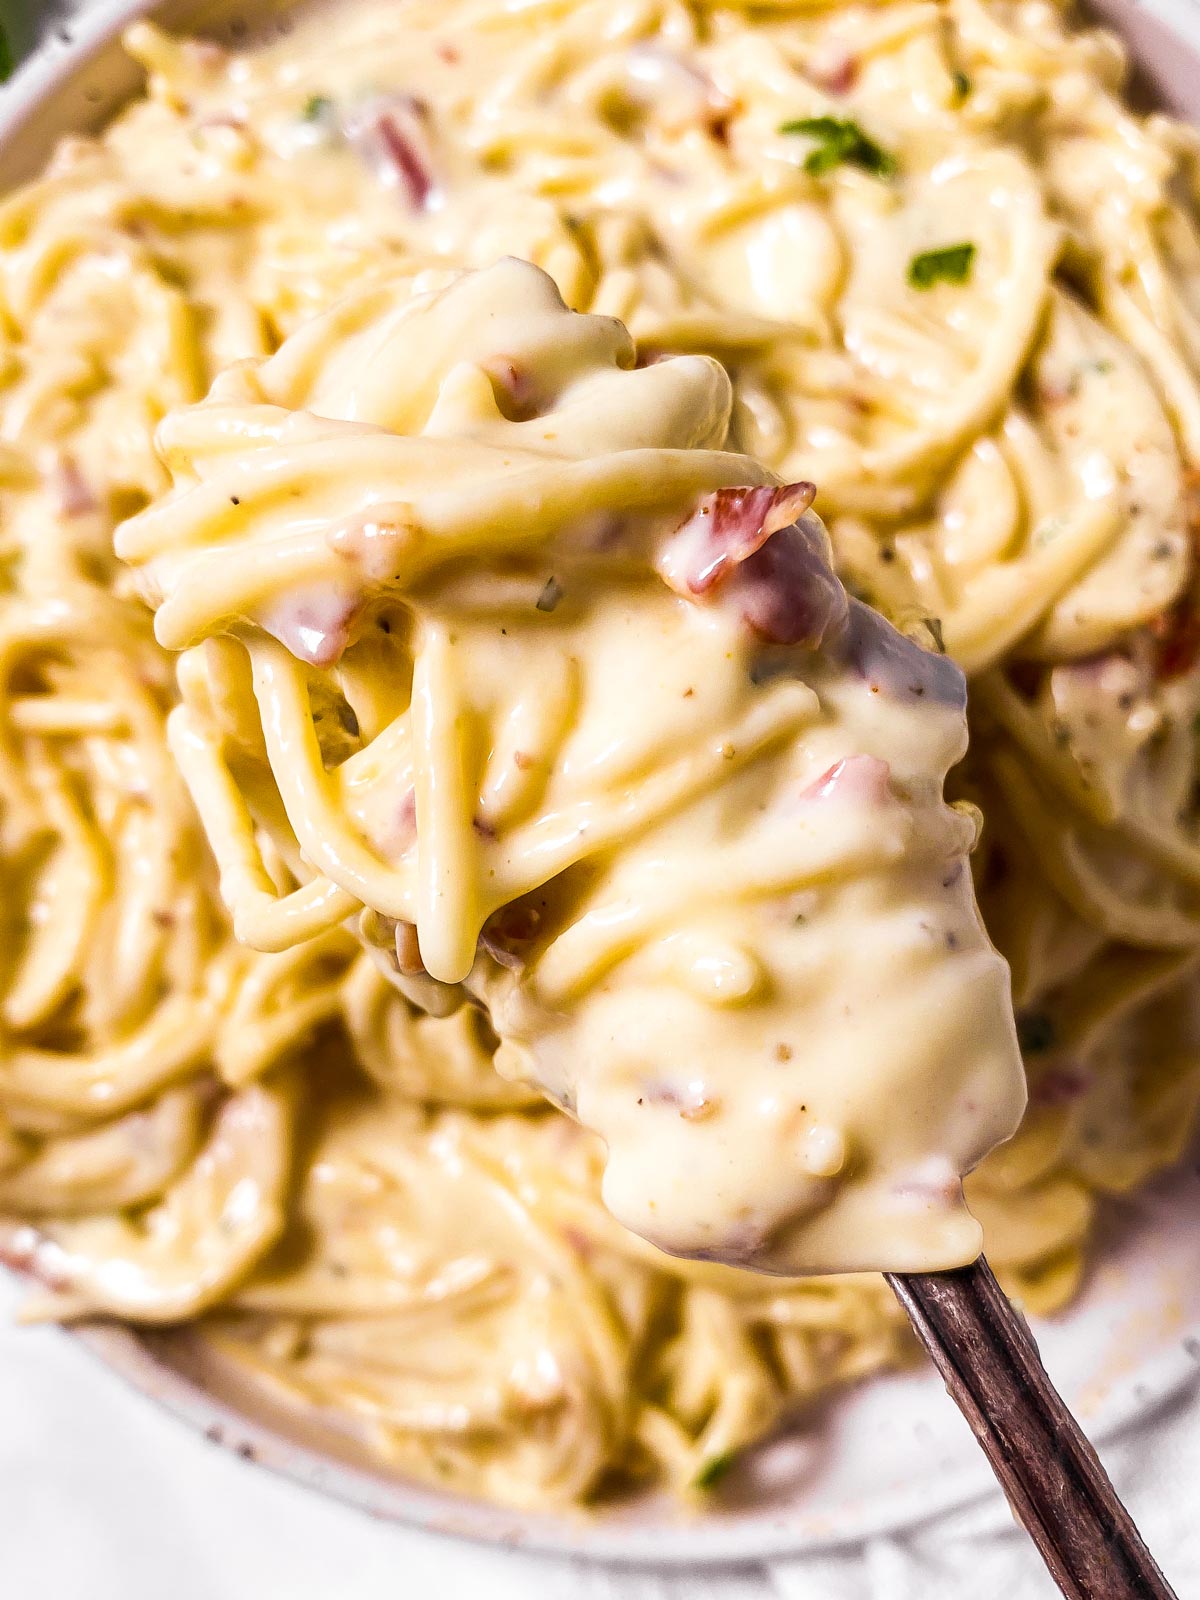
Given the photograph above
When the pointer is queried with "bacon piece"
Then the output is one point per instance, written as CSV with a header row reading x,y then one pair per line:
x,y
1177,630
392,829
72,493
859,778
1060,1086
690,1100
18,1249
932,1182
895,665
579,1241
836,74
316,622
204,54
517,389
788,592
1177,635
375,540
726,528
506,933
758,549
408,951
23,1249
403,833
391,133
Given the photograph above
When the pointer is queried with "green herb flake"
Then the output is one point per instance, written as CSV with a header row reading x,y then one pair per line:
x,y
317,108
839,141
952,264
550,596
934,624
6,57
1036,1033
962,84
714,1470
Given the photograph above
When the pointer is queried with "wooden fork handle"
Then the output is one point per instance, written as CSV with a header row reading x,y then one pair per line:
x,y
1053,1478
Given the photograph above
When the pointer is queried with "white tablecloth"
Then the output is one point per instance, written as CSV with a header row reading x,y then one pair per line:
x,y
105,1497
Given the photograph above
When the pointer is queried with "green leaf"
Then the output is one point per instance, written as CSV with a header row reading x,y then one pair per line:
x,y
713,1470
949,265
317,107
6,56
838,140
962,84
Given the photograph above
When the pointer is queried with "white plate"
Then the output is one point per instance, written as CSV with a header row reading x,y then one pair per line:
x,y
893,1452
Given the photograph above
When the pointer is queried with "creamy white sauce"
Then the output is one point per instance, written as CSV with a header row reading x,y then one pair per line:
x,y
626,761
1006,460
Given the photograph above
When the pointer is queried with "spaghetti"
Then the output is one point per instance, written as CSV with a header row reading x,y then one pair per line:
x,y
953,279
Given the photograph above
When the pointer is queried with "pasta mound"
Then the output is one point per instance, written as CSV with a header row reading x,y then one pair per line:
x,y
955,281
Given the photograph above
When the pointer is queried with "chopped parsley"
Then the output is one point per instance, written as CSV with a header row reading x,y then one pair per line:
x,y
1036,1032
550,596
317,108
962,84
934,624
6,56
714,1470
837,141
952,264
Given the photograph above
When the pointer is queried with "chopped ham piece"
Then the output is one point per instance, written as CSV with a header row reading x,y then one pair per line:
x,y
1177,635
1177,630
508,931
1060,1085
862,778
836,73
315,623
71,490
579,1241
788,592
756,548
518,397
408,951
204,54
391,132
375,540
23,1249
726,528
392,828
894,665
932,1182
